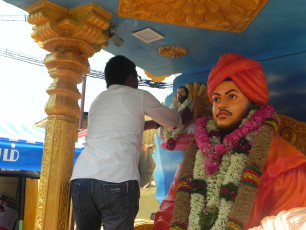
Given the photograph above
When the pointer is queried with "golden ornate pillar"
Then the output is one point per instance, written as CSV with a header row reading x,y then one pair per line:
x,y
71,36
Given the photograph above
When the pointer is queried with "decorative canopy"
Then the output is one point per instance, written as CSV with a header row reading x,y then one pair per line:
x,y
272,32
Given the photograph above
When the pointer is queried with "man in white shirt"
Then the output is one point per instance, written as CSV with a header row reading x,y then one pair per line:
x,y
105,178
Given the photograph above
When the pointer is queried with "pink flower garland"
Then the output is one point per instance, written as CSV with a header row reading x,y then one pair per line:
x,y
214,153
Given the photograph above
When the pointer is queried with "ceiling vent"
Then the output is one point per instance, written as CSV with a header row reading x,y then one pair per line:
x,y
147,35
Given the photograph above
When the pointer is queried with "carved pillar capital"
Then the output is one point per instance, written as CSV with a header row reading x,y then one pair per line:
x,y
72,36
81,28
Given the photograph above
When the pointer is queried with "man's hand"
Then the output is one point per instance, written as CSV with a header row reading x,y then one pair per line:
x,y
151,125
186,115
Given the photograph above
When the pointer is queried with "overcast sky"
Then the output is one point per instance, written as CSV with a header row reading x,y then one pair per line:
x,y
23,85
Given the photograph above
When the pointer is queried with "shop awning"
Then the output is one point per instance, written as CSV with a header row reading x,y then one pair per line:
x,y
21,148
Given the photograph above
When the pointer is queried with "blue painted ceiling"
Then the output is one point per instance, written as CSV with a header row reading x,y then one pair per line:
x,y
276,38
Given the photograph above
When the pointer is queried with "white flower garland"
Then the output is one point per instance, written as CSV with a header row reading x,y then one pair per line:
x,y
230,171
197,201
174,106
195,211
175,133
233,175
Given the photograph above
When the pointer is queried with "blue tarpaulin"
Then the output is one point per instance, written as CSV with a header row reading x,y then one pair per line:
x,y
21,147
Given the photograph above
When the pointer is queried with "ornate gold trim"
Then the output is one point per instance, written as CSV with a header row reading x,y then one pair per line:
x,y
172,51
156,78
224,15
81,27
293,131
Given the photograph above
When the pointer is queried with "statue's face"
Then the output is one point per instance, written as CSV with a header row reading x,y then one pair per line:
x,y
230,106
181,95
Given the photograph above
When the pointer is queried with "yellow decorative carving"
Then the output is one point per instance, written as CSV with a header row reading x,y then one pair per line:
x,y
72,36
67,68
172,51
156,78
83,26
293,131
225,15
54,181
143,224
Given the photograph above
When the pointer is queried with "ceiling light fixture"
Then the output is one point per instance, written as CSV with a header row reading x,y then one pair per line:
x,y
147,35
172,51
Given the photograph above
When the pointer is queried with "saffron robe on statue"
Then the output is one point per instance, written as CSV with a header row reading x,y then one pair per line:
x,y
282,186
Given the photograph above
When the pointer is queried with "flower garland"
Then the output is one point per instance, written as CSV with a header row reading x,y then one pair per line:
x,y
221,192
228,187
171,136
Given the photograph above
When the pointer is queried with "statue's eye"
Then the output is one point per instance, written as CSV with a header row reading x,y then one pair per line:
x,y
232,96
216,99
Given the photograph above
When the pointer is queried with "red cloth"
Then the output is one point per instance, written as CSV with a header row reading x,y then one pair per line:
x,y
165,211
247,74
283,182
282,186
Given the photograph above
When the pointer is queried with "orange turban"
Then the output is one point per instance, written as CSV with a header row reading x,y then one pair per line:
x,y
247,74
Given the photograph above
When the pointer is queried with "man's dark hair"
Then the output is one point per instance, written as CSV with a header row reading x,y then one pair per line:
x,y
118,69
186,90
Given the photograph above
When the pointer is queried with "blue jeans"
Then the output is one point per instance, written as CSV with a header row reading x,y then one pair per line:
x,y
96,203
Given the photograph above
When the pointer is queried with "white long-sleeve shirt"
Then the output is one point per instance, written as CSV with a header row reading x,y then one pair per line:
x,y
114,134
